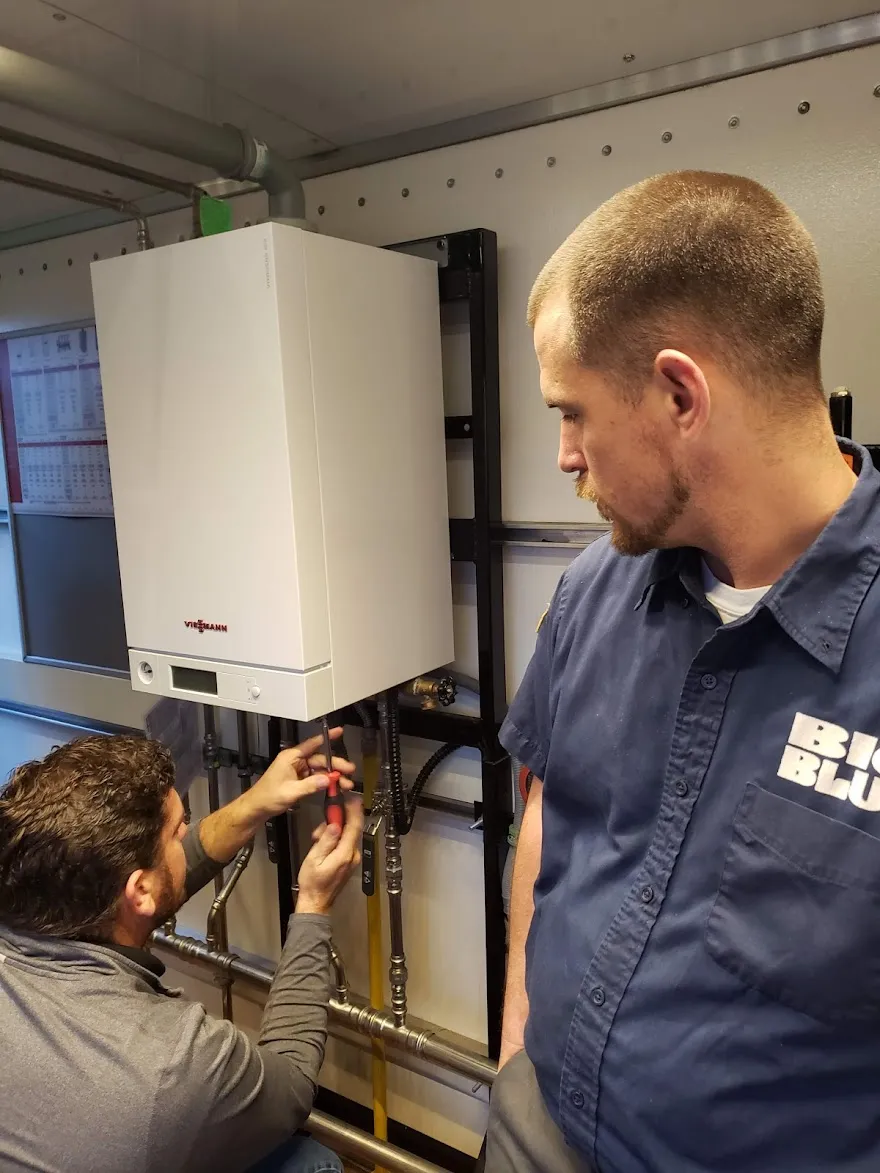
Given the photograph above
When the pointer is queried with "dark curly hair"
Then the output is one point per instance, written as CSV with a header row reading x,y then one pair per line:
x,y
73,827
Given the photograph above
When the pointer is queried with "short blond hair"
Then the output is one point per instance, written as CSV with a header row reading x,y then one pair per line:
x,y
699,259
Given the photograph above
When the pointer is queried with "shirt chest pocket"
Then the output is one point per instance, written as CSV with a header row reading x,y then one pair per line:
x,y
797,915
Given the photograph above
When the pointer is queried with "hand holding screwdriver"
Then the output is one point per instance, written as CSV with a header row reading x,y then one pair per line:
x,y
334,804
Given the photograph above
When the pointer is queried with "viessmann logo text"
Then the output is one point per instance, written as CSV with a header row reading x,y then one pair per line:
x,y
201,626
828,758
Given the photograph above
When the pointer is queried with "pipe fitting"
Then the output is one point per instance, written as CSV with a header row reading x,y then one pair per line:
x,y
356,1014
432,691
339,973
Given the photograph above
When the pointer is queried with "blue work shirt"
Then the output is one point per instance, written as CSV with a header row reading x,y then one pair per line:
x,y
703,966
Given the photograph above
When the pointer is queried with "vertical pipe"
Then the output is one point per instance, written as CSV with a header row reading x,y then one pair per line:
x,y
289,738
370,756
389,740
281,837
213,772
394,885
244,751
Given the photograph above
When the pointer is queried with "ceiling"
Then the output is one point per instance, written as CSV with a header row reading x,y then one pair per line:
x,y
308,75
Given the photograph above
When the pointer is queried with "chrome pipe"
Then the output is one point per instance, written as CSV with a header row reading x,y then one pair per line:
x,y
217,913
217,927
339,973
407,1061
379,1024
397,972
125,207
212,771
350,1140
395,823
355,1014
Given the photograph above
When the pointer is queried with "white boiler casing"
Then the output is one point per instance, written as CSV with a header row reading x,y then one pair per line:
x,y
274,410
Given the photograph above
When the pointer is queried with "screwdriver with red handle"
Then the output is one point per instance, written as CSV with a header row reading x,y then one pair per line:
x,y
334,803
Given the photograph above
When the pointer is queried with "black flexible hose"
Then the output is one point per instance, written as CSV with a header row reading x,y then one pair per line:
x,y
389,726
422,777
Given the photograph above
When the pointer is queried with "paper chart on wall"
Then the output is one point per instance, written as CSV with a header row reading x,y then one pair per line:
x,y
58,412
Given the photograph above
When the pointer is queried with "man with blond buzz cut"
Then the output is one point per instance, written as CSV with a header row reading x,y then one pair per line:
x,y
694,973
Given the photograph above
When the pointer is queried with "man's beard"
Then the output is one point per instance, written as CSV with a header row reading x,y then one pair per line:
x,y
635,540
170,899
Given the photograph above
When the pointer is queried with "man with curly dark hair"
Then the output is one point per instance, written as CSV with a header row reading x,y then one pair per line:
x,y
95,853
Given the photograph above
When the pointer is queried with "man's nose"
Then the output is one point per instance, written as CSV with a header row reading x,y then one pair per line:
x,y
571,459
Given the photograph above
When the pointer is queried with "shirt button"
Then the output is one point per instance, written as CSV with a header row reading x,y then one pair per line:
x,y
597,996
647,894
708,681
681,788
577,1098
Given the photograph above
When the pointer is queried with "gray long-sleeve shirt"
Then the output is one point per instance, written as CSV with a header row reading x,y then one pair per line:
x,y
104,1070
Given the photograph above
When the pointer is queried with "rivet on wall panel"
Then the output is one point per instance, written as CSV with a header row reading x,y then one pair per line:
x,y
247,223
45,267
21,272
321,210
69,261
877,91
606,150
733,123
123,252
551,160
666,136
804,108
404,191
450,183
181,238
499,171
361,201
95,256
629,58
441,244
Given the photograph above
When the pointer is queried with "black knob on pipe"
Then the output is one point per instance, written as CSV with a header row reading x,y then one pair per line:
x,y
840,408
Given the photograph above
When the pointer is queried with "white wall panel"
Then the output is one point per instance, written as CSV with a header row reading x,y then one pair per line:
x,y
823,162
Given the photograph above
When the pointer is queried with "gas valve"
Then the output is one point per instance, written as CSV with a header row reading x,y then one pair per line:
x,y
432,691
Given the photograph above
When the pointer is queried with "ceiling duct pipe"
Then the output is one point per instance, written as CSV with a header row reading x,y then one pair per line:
x,y
124,207
72,98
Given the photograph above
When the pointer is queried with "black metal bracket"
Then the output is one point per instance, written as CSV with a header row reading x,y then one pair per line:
x,y
468,275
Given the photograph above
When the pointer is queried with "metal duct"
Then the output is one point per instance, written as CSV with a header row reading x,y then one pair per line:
x,y
69,97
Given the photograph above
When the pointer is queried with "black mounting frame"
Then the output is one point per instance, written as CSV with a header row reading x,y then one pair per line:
x,y
468,275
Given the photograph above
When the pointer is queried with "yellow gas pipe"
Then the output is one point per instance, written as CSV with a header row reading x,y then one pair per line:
x,y
374,935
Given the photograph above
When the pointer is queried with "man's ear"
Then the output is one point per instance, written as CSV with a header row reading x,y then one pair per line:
x,y
139,894
685,389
